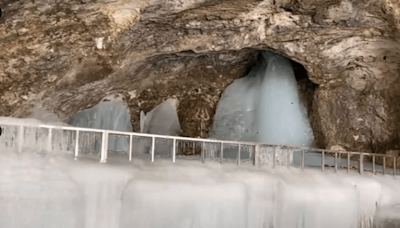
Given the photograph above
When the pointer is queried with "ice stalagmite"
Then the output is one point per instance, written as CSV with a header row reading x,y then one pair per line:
x,y
264,106
162,120
280,114
110,114
235,115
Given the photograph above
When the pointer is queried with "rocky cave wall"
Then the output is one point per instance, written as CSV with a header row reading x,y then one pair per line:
x,y
65,56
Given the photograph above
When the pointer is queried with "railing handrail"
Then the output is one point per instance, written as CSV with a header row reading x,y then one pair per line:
x,y
201,139
289,148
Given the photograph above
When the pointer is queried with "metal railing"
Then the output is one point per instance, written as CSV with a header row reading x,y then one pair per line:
x,y
253,154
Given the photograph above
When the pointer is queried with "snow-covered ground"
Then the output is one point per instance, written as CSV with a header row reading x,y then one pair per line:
x,y
40,190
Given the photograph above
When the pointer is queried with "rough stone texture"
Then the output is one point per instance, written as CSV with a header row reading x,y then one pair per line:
x,y
65,56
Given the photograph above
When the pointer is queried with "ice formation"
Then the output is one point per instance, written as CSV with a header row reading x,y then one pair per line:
x,y
264,106
110,114
162,120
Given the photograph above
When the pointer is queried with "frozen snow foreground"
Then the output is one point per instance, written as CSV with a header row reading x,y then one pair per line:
x,y
51,190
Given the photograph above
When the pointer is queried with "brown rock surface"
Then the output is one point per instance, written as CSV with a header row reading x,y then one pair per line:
x,y
65,56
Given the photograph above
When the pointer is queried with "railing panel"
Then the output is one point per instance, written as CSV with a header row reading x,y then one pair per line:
x,y
63,140
36,138
9,138
89,142
141,145
118,143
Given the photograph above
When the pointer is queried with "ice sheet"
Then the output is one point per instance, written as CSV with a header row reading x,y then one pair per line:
x,y
52,190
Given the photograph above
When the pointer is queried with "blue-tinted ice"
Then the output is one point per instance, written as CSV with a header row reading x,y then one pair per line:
x,y
109,114
264,106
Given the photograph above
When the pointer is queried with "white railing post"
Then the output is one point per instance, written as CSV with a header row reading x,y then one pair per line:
x,y
384,165
130,147
153,144
21,138
348,162
50,140
203,151
336,161
256,154
238,156
104,148
221,154
373,164
173,150
76,145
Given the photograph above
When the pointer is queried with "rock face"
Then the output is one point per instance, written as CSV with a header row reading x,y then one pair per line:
x,y
65,56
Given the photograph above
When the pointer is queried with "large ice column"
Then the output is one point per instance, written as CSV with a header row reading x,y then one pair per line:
x,y
264,106
280,113
110,114
235,115
162,120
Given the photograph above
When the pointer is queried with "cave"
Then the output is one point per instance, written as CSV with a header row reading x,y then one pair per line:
x,y
354,67
201,84
66,60
198,88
